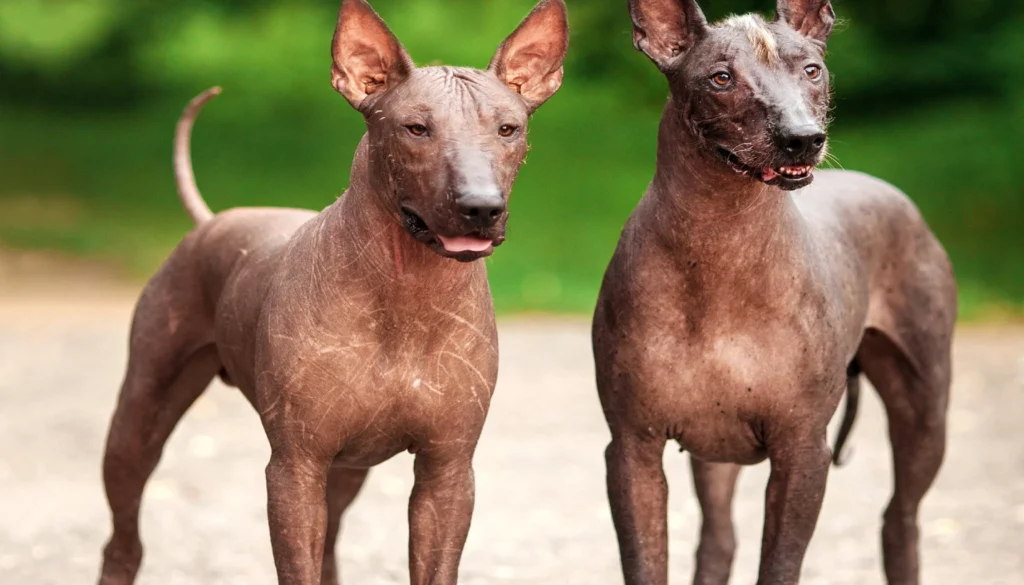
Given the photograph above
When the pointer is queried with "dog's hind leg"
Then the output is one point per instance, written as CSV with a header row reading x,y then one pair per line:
x,y
913,380
343,485
166,372
715,484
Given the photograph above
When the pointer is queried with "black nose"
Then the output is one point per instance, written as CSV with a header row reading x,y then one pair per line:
x,y
481,209
802,143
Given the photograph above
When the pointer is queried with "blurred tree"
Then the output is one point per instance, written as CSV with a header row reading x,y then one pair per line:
x,y
92,53
929,95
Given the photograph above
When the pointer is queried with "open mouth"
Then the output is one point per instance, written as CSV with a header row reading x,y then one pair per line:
x,y
465,248
785,176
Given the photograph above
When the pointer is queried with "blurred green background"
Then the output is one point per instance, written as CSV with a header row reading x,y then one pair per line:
x,y
929,95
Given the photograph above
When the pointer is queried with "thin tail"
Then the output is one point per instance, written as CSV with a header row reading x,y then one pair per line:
x,y
188,192
841,454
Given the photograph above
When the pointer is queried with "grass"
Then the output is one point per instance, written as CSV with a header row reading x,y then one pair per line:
x,y
102,186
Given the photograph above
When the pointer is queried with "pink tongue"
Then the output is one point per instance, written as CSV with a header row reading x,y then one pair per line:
x,y
769,174
464,244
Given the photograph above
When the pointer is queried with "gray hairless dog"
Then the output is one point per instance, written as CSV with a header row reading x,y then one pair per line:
x,y
735,311
356,333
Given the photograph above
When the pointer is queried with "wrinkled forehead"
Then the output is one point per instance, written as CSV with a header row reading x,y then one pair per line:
x,y
452,94
751,38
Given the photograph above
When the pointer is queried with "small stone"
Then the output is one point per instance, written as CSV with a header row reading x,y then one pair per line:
x,y
504,573
943,527
392,485
202,446
158,490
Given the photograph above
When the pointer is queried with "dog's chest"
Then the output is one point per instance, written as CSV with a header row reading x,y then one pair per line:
x,y
372,391
715,394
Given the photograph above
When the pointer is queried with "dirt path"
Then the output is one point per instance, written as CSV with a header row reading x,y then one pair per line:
x,y
541,512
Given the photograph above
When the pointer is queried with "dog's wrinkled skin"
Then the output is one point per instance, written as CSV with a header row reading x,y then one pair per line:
x,y
734,311
359,332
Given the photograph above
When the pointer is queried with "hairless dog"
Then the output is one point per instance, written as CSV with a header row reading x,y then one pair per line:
x,y
742,299
356,333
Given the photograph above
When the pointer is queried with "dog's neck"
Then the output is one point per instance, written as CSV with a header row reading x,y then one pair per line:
x,y
366,237
709,214
722,230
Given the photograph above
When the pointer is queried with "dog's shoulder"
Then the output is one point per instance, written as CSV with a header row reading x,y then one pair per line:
x,y
854,192
249,227
852,183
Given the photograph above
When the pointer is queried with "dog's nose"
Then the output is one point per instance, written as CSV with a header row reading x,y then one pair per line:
x,y
802,142
481,209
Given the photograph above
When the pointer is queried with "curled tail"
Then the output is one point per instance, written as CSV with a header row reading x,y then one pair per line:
x,y
841,454
188,192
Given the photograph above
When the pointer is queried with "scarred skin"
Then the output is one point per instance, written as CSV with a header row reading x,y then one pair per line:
x,y
356,333
738,300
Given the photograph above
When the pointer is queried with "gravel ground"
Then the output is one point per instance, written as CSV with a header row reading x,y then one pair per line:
x,y
541,515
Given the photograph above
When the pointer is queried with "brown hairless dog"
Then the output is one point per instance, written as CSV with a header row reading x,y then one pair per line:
x,y
735,311
356,333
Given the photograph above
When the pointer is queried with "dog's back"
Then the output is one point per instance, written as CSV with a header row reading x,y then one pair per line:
x,y
244,240
867,225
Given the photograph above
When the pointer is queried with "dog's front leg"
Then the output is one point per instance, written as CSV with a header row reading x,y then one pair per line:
x,y
440,510
638,494
297,510
796,488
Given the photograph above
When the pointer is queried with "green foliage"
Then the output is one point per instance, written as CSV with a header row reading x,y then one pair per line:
x,y
926,97
43,34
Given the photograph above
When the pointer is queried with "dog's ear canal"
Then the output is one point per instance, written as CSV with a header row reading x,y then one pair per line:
x,y
368,59
530,60
665,29
812,18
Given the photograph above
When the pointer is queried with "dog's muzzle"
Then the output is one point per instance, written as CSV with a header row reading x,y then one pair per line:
x,y
473,244
787,176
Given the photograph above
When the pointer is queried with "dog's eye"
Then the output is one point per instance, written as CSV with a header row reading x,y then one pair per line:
x,y
507,130
417,129
813,72
721,79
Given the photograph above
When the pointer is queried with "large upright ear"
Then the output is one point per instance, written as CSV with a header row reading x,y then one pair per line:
x,y
812,18
666,29
529,61
368,59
